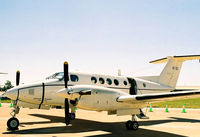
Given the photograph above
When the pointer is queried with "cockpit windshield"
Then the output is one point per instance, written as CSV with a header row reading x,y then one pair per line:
x,y
58,75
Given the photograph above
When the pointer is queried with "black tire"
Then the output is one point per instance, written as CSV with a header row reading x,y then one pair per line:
x,y
72,116
129,125
13,124
135,125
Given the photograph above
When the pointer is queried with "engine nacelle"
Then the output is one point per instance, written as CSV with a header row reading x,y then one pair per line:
x,y
97,98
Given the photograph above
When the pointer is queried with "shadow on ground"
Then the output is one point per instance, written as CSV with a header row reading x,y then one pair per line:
x,y
80,125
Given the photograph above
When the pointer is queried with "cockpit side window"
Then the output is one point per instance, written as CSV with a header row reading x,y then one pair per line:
x,y
74,78
52,76
58,75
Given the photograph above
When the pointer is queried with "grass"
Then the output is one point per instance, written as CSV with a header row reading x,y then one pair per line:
x,y
6,101
189,103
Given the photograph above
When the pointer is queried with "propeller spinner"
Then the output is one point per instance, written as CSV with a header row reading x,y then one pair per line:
x,y
17,77
66,73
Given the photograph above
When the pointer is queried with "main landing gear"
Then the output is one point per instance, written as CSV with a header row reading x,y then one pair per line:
x,y
72,116
132,125
13,122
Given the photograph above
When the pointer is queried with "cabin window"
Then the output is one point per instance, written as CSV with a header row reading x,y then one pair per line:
x,y
94,80
101,80
116,82
144,85
74,78
109,81
125,83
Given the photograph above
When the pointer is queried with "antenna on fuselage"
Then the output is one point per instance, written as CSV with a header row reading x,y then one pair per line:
x,y
119,72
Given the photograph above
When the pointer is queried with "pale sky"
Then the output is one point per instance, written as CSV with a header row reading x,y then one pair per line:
x,y
98,36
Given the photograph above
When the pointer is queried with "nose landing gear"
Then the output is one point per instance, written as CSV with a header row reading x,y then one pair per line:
x,y
13,122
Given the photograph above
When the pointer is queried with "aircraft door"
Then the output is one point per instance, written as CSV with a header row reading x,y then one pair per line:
x,y
133,86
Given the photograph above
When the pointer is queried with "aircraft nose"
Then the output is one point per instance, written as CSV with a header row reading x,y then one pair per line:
x,y
12,93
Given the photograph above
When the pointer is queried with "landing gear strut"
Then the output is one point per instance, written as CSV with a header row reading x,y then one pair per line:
x,y
132,125
72,115
13,122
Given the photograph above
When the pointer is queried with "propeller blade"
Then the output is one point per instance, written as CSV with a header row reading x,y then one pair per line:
x,y
66,73
67,118
66,79
17,77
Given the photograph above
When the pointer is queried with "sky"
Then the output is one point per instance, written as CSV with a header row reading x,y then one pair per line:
x,y
97,36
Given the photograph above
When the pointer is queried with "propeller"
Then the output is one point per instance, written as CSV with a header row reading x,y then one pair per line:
x,y
17,77
66,79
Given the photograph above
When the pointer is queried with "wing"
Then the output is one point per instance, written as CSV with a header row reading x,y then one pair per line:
x,y
3,73
158,97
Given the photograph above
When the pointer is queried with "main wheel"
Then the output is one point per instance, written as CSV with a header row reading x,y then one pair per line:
x,y
72,116
13,124
132,125
129,125
135,125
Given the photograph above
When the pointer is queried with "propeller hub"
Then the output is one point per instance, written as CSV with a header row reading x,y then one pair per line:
x,y
17,77
63,93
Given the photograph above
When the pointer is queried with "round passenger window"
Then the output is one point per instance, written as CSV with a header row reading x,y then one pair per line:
x,y
109,81
94,80
125,83
74,78
116,82
101,80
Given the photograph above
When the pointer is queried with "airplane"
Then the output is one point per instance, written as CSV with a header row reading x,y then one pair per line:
x,y
118,95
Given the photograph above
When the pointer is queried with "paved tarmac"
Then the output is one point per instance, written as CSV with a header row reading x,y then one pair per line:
x,y
50,123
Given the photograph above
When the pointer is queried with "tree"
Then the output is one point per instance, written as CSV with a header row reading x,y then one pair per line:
x,y
7,86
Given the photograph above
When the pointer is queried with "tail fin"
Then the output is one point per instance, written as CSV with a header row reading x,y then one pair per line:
x,y
169,75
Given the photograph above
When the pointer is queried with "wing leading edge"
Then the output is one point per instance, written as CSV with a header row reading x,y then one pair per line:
x,y
158,97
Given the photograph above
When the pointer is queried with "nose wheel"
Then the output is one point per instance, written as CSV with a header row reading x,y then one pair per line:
x,y
13,123
132,125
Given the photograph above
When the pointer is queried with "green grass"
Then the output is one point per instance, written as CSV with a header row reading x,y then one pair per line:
x,y
6,101
189,103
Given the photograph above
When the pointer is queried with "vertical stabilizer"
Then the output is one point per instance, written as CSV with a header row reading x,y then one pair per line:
x,y
169,75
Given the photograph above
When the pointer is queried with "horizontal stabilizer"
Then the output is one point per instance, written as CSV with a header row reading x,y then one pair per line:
x,y
169,75
177,58
3,73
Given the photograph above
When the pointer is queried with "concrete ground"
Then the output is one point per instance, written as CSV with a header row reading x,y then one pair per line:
x,y
40,123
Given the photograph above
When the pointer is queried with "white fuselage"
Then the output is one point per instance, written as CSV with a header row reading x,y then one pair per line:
x,y
105,90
